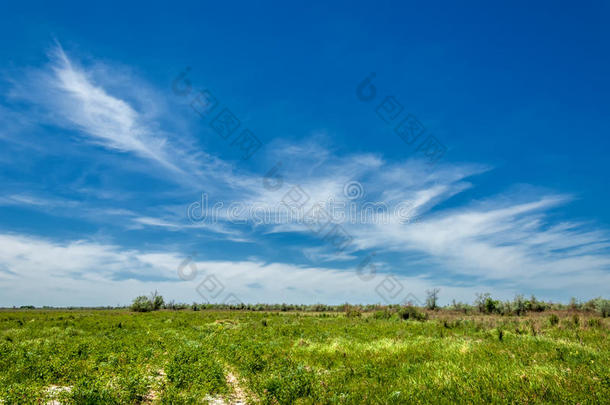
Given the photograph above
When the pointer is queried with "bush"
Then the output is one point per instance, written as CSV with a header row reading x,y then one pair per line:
x,y
553,319
146,304
491,306
519,305
535,305
486,304
157,301
385,314
142,304
411,312
603,306
353,313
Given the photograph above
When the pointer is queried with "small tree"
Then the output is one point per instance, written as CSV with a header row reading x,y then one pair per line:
x,y
432,298
519,305
491,305
156,300
486,304
145,304
603,306
142,304
481,300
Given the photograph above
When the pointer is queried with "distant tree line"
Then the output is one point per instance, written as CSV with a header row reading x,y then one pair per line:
x,y
483,304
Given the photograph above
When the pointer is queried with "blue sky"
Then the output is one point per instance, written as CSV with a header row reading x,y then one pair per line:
x,y
102,154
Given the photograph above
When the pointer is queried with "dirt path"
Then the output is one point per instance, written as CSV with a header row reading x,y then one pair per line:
x,y
153,396
236,397
238,394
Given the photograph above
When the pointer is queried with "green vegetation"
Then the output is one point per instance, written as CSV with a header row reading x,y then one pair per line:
x,y
146,304
350,355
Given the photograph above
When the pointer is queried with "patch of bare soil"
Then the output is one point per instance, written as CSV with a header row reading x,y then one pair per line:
x,y
53,391
153,395
236,397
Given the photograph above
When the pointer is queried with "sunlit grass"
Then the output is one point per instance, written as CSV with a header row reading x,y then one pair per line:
x,y
183,357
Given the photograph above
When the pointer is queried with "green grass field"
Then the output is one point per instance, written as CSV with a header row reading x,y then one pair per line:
x,y
173,357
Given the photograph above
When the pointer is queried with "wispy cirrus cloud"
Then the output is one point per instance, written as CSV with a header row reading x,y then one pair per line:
x,y
510,238
516,244
221,230
73,99
112,108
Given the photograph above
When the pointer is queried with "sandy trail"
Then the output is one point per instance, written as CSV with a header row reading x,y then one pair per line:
x,y
237,397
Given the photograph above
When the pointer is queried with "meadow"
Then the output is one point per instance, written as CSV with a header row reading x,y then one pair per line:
x,y
283,357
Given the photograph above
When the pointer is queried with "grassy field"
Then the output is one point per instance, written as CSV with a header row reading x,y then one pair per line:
x,y
117,356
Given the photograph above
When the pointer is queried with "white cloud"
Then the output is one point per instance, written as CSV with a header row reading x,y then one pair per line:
x,y
78,102
42,272
113,108
512,244
36,201
233,235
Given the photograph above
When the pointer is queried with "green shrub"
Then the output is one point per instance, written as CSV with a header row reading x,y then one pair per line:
x,y
553,319
603,306
411,312
519,305
505,308
385,314
142,304
353,313
157,301
486,304
491,306
146,304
